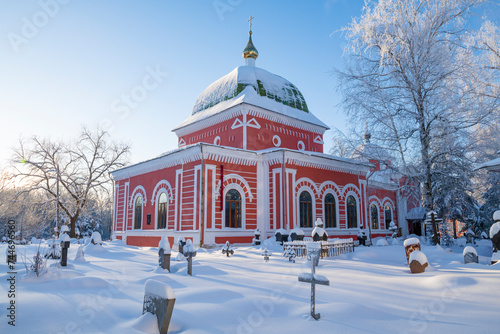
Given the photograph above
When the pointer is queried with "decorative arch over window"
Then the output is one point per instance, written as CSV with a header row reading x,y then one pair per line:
x,y
138,191
233,209
352,212
162,211
374,217
305,207
387,215
330,211
138,213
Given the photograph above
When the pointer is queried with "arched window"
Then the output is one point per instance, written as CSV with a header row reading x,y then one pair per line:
x,y
374,216
233,209
388,216
352,212
162,211
305,203
330,211
138,213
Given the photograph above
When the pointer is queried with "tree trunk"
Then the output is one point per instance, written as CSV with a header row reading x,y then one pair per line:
x,y
72,231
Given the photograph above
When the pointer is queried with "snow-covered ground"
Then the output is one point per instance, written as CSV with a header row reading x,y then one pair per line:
x,y
371,291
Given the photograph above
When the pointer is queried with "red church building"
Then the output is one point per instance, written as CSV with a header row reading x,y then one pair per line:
x,y
251,156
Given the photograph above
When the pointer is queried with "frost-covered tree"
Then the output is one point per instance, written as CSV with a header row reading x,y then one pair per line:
x,y
81,168
409,69
453,189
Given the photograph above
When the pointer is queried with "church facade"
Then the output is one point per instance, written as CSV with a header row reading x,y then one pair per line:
x,y
251,157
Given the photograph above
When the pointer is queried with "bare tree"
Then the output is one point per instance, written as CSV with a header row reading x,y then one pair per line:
x,y
80,169
409,72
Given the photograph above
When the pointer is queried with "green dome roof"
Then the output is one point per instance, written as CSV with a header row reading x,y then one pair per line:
x,y
266,84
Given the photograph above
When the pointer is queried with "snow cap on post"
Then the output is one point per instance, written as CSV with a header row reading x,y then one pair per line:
x,y
164,244
496,215
160,289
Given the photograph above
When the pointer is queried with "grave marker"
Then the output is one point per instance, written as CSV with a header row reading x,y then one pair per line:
x,y
227,249
266,254
313,279
159,299
189,253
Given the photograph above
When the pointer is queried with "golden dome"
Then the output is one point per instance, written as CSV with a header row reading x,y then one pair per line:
x,y
250,51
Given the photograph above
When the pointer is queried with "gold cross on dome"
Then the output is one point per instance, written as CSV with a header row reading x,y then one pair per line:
x,y
250,22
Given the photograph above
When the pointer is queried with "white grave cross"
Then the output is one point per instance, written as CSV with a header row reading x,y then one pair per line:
x,y
313,279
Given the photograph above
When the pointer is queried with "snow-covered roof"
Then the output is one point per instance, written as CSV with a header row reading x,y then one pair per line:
x,y
416,214
254,86
368,151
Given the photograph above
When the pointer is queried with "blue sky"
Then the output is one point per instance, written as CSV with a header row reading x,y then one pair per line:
x,y
71,63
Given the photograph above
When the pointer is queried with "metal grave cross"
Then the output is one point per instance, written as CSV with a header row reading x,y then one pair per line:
x,y
313,279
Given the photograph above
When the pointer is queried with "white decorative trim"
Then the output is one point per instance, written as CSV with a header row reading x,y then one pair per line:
x,y
243,207
311,184
178,199
277,176
337,205
358,208
181,143
301,146
318,140
217,140
134,194
170,193
125,208
373,200
240,178
276,141
297,203
255,111
161,191
137,195
177,157
357,192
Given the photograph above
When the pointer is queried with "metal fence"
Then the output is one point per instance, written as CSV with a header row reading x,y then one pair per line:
x,y
329,248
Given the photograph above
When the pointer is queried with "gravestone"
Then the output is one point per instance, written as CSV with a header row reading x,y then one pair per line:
x,y
256,240
95,238
469,235
281,235
227,249
418,262
159,299
470,255
313,279
297,234
164,253
266,254
189,253
319,233
411,245
362,237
